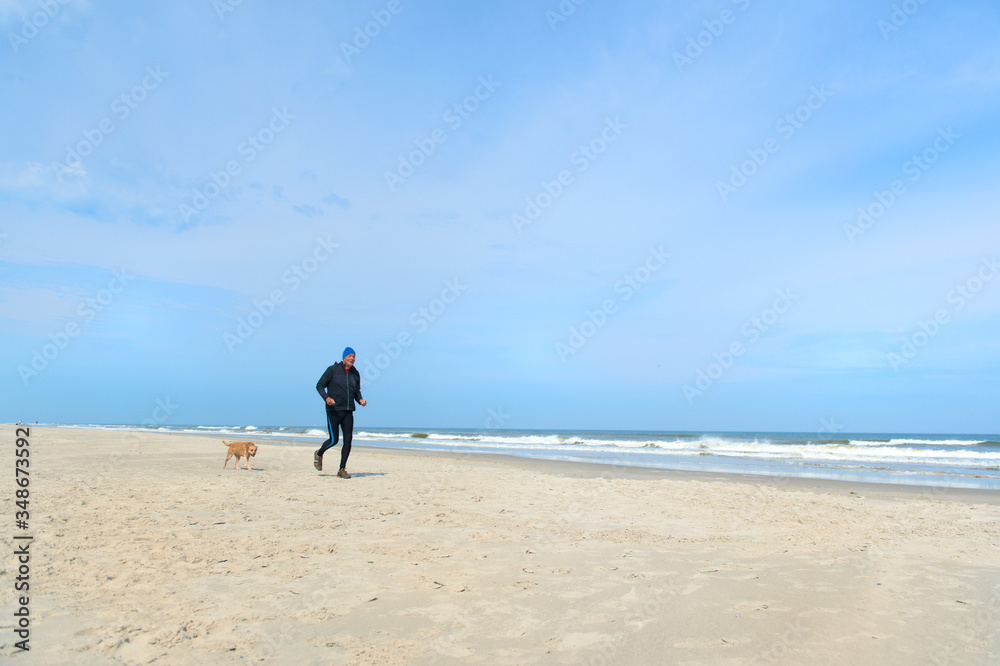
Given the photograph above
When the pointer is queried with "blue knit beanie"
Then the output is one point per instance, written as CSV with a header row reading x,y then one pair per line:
x,y
347,352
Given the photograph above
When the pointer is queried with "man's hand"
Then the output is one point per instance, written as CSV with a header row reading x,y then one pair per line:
x,y
330,401
363,402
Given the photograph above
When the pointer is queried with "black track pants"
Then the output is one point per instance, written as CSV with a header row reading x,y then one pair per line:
x,y
344,419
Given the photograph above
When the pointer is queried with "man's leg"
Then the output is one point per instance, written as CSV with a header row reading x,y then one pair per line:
x,y
332,421
347,425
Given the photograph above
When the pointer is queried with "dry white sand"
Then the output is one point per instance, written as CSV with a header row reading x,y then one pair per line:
x,y
147,550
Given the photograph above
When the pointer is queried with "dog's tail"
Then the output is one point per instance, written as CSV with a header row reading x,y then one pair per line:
x,y
225,442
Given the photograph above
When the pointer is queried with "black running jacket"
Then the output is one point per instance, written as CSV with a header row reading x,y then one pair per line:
x,y
343,387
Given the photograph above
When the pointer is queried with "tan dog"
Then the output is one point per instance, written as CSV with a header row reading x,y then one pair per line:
x,y
243,450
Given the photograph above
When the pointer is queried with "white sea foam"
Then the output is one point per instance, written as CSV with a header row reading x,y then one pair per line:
x,y
922,442
889,452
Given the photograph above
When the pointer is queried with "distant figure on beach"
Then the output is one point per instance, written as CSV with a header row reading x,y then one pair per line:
x,y
339,386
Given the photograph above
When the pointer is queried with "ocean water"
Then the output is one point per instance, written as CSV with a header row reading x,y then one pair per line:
x,y
960,461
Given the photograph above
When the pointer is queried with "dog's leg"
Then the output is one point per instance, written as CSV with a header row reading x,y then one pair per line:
x,y
228,456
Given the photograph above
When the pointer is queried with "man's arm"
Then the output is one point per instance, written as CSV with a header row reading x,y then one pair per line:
x,y
357,395
323,382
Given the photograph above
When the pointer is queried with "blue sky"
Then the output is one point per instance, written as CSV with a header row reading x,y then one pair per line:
x,y
224,156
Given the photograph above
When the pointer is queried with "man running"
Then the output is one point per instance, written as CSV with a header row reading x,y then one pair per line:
x,y
339,386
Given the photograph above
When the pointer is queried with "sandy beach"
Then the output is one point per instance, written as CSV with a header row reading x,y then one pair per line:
x,y
146,550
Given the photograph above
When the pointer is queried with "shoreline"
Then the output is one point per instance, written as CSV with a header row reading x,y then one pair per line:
x,y
595,470
599,470
936,483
